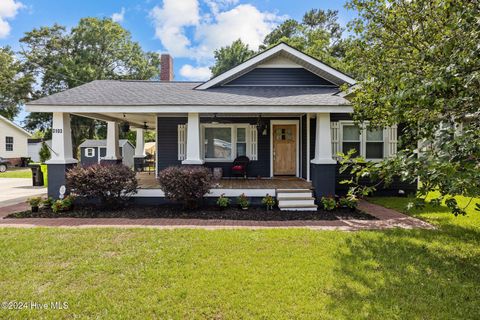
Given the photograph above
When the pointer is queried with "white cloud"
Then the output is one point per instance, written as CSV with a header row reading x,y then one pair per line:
x,y
8,10
186,32
244,22
119,16
190,72
171,21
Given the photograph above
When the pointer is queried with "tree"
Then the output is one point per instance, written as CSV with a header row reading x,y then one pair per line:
x,y
230,56
318,34
420,65
44,153
14,84
94,49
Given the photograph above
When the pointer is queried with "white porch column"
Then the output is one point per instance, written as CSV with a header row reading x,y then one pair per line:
x,y
140,145
323,140
193,140
308,146
113,149
62,152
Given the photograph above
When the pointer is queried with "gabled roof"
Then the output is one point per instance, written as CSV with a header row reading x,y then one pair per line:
x,y
313,65
16,126
102,143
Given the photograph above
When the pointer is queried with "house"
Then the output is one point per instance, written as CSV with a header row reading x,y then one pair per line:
x,y
93,151
281,108
13,141
34,147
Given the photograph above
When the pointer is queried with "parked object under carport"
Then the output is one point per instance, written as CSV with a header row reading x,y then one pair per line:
x,y
37,175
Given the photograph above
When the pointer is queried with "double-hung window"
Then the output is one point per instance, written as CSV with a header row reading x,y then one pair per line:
x,y
8,143
367,142
224,142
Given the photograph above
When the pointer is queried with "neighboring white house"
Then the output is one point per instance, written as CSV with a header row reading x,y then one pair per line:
x,y
93,151
13,141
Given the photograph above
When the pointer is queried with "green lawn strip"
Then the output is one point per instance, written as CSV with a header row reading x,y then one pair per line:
x,y
17,173
25,173
241,274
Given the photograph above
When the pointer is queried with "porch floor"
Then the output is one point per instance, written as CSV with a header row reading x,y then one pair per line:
x,y
148,181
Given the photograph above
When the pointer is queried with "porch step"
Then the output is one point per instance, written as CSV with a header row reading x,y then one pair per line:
x,y
296,200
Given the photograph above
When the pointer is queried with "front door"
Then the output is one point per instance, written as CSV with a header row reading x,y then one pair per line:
x,y
284,149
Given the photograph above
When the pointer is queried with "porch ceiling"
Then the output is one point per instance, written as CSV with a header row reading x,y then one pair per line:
x,y
136,120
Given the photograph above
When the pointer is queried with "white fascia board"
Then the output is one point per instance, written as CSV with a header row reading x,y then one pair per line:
x,y
192,108
267,54
16,126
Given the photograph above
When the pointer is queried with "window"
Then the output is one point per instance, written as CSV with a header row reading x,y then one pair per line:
x,y
89,152
368,142
374,144
224,142
8,143
351,139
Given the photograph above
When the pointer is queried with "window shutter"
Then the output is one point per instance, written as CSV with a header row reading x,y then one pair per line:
x,y
182,142
334,127
253,145
392,141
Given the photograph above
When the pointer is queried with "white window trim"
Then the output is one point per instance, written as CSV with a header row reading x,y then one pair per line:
x,y
363,140
233,128
90,152
8,143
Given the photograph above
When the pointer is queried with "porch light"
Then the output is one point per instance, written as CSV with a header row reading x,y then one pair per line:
x,y
261,125
125,126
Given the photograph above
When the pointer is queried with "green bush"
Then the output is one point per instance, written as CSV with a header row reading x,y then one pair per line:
x,y
328,203
243,201
223,202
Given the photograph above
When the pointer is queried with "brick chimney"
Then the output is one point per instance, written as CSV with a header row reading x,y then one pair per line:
x,y
166,67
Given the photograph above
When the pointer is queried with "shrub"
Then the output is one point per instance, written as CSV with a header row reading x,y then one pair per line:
x,y
242,201
111,184
223,202
350,201
186,184
44,153
34,202
328,203
268,201
48,202
63,205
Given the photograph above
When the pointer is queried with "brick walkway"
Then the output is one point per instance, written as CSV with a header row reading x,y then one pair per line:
x,y
387,219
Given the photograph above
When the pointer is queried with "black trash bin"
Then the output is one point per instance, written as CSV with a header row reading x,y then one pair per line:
x,y
37,175
24,161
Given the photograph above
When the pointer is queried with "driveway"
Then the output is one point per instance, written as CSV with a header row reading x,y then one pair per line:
x,y
17,190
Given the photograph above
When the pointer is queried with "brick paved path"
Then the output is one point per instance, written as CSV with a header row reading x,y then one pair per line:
x,y
387,219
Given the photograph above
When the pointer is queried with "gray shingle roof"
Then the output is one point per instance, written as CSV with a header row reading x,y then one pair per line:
x,y
100,143
154,93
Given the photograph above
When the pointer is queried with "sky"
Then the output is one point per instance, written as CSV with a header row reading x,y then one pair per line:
x,y
190,30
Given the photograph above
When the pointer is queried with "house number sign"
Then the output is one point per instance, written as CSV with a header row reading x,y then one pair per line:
x,y
57,130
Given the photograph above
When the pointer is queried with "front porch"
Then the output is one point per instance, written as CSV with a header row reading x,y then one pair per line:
x,y
149,181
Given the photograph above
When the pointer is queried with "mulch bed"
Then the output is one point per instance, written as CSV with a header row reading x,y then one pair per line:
x,y
172,212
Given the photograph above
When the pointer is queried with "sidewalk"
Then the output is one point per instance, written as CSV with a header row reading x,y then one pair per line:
x,y
387,219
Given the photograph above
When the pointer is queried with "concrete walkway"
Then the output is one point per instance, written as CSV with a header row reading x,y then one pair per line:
x,y
387,219
16,190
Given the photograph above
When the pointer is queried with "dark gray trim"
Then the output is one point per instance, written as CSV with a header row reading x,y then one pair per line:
x,y
323,179
57,178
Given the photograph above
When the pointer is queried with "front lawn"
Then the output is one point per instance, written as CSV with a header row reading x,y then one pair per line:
x,y
233,274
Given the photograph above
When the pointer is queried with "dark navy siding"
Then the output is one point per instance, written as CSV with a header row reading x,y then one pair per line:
x,y
280,77
303,155
167,138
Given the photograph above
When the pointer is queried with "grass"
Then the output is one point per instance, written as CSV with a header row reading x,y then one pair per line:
x,y
24,173
242,274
